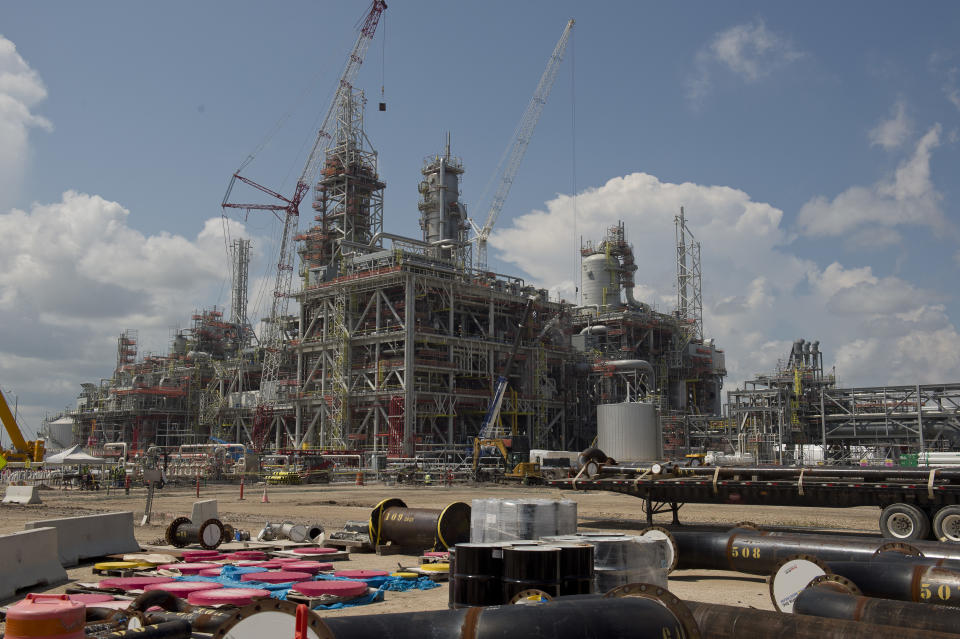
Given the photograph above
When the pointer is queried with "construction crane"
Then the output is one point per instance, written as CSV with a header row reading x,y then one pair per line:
x,y
521,139
491,441
272,340
23,450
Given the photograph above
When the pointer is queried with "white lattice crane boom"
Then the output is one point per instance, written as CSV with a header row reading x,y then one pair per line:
x,y
510,163
324,135
272,340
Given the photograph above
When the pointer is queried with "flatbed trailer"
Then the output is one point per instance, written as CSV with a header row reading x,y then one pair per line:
x,y
911,509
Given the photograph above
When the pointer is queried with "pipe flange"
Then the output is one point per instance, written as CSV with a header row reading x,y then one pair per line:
x,y
898,547
837,583
377,514
792,575
659,532
239,626
126,619
171,534
527,597
747,525
210,534
161,599
666,599
228,532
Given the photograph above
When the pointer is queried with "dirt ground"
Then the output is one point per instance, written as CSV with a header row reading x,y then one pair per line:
x,y
333,505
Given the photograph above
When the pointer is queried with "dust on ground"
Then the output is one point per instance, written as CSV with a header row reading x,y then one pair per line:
x,y
333,505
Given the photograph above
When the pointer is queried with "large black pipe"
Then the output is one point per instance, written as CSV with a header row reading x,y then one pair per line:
x,y
873,473
183,532
902,581
730,622
758,553
420,528
174,608
165,630
826,601
201,620
585,618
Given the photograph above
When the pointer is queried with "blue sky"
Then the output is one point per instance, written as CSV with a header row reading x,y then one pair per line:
x,y
814,146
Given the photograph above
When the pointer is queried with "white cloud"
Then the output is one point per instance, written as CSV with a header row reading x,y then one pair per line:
x,y
750,51
20,90
759,295
906,198
74,274
951,88
892,133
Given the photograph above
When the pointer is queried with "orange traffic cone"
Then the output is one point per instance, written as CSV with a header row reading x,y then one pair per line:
x,y
264,499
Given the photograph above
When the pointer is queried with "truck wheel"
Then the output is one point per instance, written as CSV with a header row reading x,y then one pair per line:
x,y
946,524
904,521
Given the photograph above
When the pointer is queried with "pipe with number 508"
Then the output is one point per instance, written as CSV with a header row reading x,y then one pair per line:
x,y
759,553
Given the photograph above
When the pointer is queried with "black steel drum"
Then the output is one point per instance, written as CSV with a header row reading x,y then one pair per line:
x,y
576,569
531,567
475,572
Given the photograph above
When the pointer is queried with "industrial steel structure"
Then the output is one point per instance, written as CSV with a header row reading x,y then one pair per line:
x,y
779,416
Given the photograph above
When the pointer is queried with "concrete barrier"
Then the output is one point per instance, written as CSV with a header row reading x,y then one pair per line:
x,y
22,495
29,558
91,536
204,510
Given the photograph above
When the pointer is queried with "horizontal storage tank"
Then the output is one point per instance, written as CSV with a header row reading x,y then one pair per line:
x,y
629,431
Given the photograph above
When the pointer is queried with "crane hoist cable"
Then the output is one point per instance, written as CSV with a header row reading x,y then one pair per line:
x,y
518,147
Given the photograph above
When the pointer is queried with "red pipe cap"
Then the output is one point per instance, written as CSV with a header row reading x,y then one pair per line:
x,y
235,596
184,588
338,588
275,576
190,555
312,567
188,569
133,583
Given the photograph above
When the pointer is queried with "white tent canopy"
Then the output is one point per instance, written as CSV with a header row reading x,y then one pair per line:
x,y
74,455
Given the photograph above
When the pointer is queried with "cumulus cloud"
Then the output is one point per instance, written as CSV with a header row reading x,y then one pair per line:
x,y
951,88
759,295
749,51
892,133
21,89
74,274
906,198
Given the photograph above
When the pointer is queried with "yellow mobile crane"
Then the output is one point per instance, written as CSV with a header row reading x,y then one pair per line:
x,y
23,451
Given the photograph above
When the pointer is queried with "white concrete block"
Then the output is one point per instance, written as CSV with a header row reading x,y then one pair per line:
x,y
22,495
204,510
91,536
29,558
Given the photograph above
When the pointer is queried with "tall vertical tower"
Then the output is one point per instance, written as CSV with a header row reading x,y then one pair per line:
x,y
442,217
689,280
349,194
240,257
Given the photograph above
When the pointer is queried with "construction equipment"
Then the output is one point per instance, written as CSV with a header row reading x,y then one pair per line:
x,y
492,441
515,465
517,149
23,451
488,427
274,340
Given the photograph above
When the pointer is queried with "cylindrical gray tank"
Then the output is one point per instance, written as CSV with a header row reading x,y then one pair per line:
x,y
601,284
629,431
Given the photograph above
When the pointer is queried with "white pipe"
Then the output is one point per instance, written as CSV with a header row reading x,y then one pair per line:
x,y
635,364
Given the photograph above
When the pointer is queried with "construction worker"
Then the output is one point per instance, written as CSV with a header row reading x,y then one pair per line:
x,y
427,479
